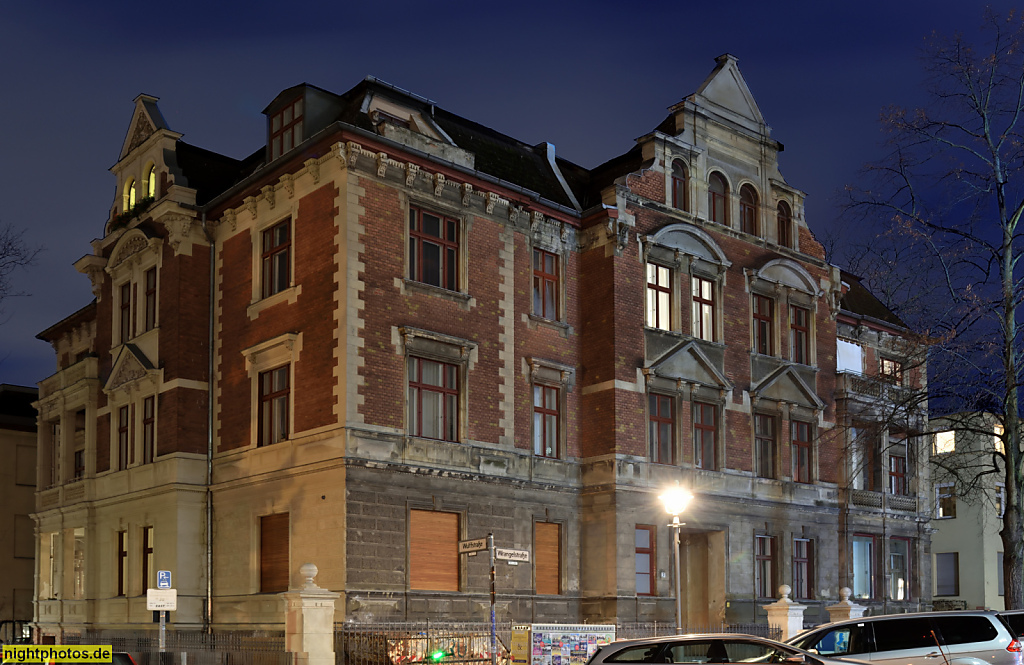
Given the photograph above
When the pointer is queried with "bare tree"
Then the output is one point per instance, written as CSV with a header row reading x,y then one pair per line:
x,y
951,192
15,253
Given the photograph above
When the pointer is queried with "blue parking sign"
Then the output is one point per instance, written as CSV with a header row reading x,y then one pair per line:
x,y
163,579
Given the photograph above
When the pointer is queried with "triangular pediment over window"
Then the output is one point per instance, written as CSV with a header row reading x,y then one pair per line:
x,y
146,121
131,367
688,362
785,385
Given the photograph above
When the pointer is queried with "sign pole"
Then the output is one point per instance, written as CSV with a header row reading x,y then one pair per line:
x,y
163,630
494,626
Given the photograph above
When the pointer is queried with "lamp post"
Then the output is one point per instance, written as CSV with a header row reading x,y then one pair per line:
x,y
676,500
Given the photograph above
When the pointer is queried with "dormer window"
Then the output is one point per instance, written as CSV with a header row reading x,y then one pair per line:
x,y
151,182
129,194
286,129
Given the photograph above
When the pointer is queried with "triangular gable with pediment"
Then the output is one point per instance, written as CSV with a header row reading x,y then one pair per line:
x,y
131,365
146,121
726,91
688,362
785,385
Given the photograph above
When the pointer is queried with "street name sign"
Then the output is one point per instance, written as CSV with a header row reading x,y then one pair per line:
x,y
163,579
476,545
165,600
512,555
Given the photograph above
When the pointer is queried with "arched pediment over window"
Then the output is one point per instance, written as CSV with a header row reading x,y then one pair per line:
x,y
789,273
690,240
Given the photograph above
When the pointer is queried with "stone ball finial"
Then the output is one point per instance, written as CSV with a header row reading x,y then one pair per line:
x,y
784,592
844,594
308,572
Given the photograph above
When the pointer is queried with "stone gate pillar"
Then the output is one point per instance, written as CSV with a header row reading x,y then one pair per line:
x,y
309,621
785,615
845,608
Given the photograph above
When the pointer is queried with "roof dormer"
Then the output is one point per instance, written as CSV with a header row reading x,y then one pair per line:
x,y
296,114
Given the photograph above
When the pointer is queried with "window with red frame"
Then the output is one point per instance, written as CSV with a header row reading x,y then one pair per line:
x,y
433,249
800,335
785,221
433,399
764,445
286,128
150,322
764,566
276,258
803,568
545,284
705,431
717,191
148,429
703,319
748,210
680,186
126,312
763,324
898,474
274,393
661,429
645,561
122,438
801,451
659,297
545,421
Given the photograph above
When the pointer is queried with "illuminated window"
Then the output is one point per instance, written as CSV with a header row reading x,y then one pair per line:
x,y
717,209
748,210
659,297
129,195
997,438
785,221
703,315
892,371
944,442
151,182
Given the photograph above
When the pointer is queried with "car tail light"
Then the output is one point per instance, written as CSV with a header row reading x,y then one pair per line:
x,y
1013,646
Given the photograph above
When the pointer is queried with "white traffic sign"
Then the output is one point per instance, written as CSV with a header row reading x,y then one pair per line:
x,y
476,545
163,579
162,599
511,555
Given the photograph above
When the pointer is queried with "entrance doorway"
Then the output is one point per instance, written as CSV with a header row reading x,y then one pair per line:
x,y
703,577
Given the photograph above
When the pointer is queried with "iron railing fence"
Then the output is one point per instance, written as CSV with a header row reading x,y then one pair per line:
x,y
635,630
192,647
404,642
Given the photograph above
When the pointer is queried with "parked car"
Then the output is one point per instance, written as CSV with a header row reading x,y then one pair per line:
x,y
927,638
710,648
1015,620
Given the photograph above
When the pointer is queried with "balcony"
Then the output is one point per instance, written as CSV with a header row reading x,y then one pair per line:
x,y
883,501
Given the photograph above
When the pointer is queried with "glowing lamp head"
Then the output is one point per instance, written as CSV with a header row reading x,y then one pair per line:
x,y
676,500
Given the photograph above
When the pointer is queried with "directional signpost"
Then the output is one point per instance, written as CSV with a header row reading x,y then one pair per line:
x,y
163,599
472,546
513,557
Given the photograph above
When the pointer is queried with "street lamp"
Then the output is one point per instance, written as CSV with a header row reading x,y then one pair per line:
x,y
676,500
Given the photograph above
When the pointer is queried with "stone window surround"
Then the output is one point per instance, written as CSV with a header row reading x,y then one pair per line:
x,y
132,256
272,353
684,395
289,295
683,268
419,343
411,199
784,297
556,375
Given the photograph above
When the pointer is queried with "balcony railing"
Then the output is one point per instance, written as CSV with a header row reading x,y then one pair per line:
x,y
862,385
880,500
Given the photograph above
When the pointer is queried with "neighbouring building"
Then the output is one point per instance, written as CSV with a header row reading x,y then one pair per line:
x,y
967,550
391,328
17,501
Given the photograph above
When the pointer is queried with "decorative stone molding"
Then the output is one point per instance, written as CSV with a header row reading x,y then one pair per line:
x,y
353,152
143,130
382,164
411,170
250,205
313,168
269,194
467,191
230,218
550,372
438,184
492,198
131,246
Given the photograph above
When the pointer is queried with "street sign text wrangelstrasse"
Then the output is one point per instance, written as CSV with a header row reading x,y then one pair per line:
x,y
511,555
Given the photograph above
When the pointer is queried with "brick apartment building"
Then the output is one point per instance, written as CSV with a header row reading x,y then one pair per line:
x,y
392,328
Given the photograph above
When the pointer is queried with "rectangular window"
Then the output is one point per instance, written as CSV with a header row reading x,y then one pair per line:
x,y
645,560
945,501
274,553
997,439
147,558
274,391
659,297
944,442
545,284
122,438
49,543
79,470
78,564
764,566
947,574
705,431
892,371
763,325
286,129
122,562
764,445
661,429
433,550
276,259
800,335
545,421
899,569
863,566
433,249
801,438
126,312
548,557
803,568
150,299
898,474
703,322
148,429
433,399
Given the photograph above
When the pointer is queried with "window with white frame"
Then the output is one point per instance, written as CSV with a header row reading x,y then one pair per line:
x,y
863,547
945,501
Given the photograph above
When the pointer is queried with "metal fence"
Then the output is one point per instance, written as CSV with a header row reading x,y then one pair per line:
x,y
400,643
628,631
192,647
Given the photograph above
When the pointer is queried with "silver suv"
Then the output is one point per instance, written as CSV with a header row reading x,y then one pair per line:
x,y
700,649
927,638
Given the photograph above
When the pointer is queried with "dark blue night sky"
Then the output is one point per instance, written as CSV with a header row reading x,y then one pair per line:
x,y
588,77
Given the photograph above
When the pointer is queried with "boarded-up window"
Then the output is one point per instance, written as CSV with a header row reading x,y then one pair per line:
x,y
274,553
433,550
547,554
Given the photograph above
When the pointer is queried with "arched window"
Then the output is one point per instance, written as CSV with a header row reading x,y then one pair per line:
x,y
748,210
785,219
680,186
716,199
129,194
151,182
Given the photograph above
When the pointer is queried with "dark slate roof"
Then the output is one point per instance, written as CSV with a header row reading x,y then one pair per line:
x,y
76,318
210,173
16,410
861,302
